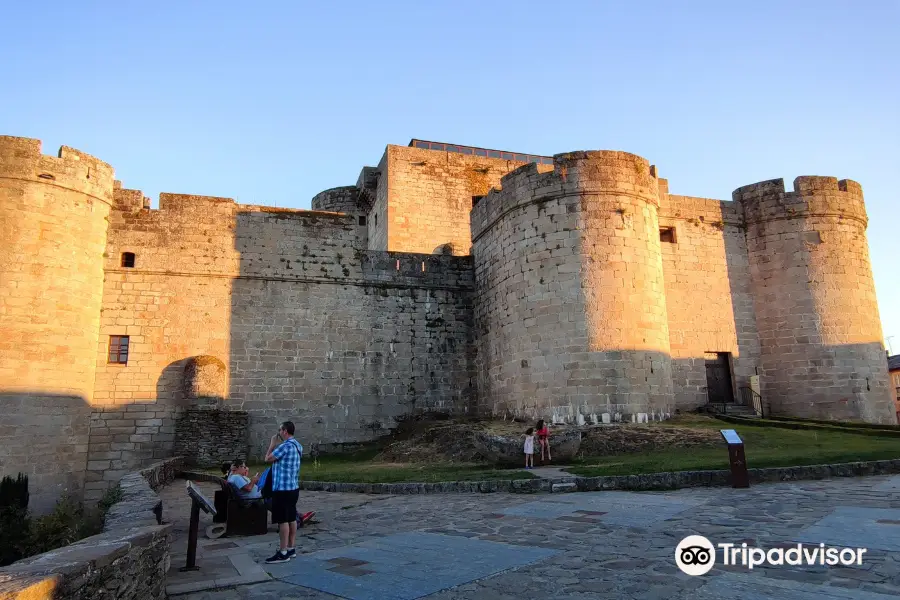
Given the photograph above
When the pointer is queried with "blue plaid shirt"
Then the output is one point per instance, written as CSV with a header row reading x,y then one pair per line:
x,y
286,470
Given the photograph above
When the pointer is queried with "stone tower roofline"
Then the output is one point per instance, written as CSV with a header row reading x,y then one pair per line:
x,y
130,200
588,171
812,196
21,158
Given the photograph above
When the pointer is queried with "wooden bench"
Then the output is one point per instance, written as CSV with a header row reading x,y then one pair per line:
x,y
240,518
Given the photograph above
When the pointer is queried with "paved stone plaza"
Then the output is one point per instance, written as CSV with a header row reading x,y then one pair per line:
x,y
561,546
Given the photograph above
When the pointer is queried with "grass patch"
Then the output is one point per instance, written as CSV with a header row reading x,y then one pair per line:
x,y
764,447
359,467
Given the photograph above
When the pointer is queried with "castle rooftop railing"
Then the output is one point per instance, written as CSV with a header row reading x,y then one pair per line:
x,y
484,152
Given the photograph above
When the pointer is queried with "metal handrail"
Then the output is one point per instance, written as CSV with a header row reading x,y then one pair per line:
x,y
750,398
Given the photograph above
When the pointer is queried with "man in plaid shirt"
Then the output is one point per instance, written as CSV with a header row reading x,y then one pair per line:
x,y
285,488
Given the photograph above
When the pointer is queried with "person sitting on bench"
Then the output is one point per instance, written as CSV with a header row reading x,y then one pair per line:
x,y
245,486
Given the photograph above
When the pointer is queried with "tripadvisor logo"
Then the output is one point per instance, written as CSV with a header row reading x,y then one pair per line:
x,y
696,555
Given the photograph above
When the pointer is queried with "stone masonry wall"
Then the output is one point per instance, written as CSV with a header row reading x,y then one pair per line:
x,y
431,196
209,437
53,220
820,333
377,233
393,338
313,327
570,309
708,292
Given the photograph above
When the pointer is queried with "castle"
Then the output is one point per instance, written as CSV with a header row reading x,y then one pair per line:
x,y
448,278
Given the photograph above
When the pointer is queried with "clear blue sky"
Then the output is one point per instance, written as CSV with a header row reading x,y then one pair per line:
x,y
274,102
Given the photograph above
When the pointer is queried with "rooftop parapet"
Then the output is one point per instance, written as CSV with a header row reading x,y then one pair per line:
x,y
812,196
573,173
21,158
344,199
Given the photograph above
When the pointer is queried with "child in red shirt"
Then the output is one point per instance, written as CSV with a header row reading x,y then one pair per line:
x,y
543,436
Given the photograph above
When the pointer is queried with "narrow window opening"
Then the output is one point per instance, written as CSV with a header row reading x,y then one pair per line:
x,y
423,266
398,264
476,200
362,220
667,235
118,349
128,260
376,220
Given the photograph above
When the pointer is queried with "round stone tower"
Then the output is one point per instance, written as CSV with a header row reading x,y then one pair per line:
x,y
570,299
822,348
340,199
53,223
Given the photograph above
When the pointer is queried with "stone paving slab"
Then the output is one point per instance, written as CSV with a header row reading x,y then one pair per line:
x,y
222,563
405,566
611,508
734,586
849,526
891,484
595,559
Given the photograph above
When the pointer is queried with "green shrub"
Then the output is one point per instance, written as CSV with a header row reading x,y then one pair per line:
x,y
22,535
14,492
14,528
14,522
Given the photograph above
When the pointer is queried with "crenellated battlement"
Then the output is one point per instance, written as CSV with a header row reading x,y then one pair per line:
x,y
21,158
812,196
603,172
133,201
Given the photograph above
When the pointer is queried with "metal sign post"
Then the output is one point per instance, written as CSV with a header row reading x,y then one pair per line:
x,y
198,501
740,478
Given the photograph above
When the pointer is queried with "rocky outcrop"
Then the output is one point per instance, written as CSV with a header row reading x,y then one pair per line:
x,y
509,450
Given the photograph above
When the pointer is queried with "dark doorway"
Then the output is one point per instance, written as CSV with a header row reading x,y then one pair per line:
x,y
718,377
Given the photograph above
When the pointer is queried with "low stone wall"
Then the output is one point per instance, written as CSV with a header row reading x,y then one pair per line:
x,y
647,482
443,487
129,560
209,437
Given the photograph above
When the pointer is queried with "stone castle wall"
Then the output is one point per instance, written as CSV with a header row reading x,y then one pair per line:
x,y
570,310
709,299
819,326
350,317
53,221
431,195
312,326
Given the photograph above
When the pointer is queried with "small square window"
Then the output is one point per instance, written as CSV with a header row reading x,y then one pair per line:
x,y
362,220
128,260
118,349
667,235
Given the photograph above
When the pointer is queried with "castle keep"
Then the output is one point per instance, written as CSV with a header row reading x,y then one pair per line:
x,y
449,279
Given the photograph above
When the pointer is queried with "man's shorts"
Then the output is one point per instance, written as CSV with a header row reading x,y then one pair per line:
x,y
284,506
